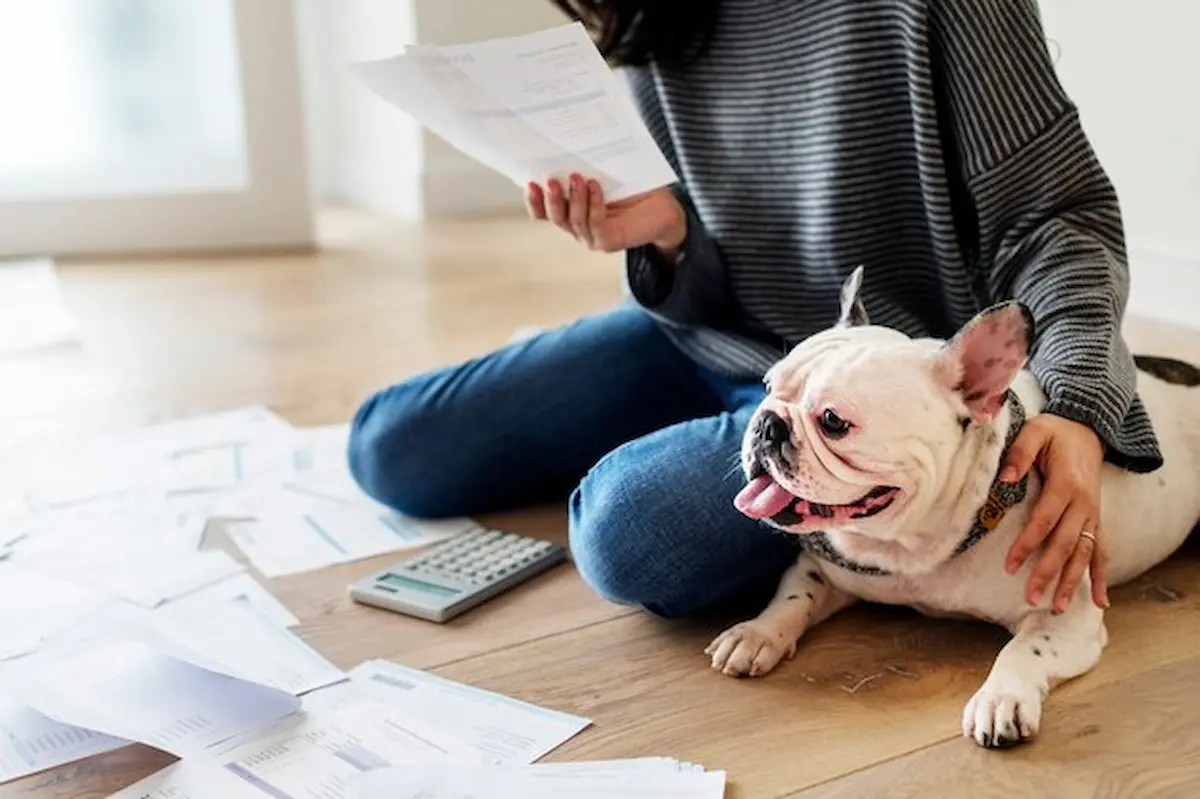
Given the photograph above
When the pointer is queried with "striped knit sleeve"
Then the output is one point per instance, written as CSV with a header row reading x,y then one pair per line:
x,y
691,289
1049,225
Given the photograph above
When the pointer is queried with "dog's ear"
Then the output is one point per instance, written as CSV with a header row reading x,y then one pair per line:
x,y
985,356
853,313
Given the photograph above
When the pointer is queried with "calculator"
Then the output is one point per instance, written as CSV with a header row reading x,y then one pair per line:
x,y
458,574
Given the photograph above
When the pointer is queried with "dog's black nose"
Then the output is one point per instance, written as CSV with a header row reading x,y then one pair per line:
x,y
774,430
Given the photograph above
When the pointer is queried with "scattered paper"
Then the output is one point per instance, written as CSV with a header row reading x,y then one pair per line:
x,y
530,107
190,779
127,689
116,627
241,589
281,541
236,639
607,780
146,575
324,753
35,606
31,742
33,313
502,729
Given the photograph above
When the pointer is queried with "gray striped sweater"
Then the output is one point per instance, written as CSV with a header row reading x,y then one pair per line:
x,y
929,141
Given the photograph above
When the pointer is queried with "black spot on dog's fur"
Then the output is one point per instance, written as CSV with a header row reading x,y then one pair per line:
x,y
1045,638
1037,652
816,577
1171,370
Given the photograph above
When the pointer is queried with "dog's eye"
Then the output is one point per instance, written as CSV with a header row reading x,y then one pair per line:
x,y
833,425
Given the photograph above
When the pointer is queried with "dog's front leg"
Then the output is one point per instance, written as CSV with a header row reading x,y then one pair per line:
x,y
754,647
1046,650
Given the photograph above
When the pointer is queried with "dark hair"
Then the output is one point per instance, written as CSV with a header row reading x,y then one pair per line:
x,y
634,32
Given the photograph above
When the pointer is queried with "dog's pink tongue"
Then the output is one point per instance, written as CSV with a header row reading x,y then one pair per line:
x,y
762,498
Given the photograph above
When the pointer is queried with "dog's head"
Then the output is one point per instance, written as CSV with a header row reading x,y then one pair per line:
x,y
861,424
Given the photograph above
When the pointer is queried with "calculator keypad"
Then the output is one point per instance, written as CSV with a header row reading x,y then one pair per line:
x,y
479,557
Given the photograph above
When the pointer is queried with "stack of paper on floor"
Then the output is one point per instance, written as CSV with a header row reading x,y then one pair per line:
x,y
212,668
643,778
384,715
530,107
391,732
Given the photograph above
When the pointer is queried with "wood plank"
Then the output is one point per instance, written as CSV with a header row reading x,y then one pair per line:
x,y
1137,737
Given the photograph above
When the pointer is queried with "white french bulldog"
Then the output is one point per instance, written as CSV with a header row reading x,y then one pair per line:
x,y
883,452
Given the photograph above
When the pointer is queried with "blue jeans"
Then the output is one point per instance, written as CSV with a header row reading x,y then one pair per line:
x,y
610,413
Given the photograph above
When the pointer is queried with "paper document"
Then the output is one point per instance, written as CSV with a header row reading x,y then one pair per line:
x,y
191,779
534,106
238,640
146,578
31,742
340,734
502,729
241,589
324,754
281,541
35,606
127,689
538,782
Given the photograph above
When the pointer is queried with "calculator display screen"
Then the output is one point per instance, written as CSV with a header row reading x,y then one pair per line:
x,y
416,585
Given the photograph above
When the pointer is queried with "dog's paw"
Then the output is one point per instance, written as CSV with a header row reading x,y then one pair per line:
x,y
751,648
1003,714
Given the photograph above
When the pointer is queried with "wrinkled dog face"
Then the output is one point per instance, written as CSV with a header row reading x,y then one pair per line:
x,y
861,423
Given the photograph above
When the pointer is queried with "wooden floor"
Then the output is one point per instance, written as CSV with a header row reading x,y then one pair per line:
x,y
869,707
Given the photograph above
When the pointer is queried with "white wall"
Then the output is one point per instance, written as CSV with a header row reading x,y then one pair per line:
x,y
363,151
1133,69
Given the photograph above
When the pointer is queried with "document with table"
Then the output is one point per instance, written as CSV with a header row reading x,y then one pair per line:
x,y
530,107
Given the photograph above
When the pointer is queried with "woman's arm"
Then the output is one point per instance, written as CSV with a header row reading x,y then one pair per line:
x,y
1049,224
1049,233
687,286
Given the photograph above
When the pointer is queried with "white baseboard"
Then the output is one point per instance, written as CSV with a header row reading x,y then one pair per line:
x,y
1164,288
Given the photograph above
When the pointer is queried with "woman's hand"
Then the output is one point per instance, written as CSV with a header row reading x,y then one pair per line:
x,y
1070,456
654,218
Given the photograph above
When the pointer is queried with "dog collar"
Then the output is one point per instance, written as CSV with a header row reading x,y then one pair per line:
x,y
1000,499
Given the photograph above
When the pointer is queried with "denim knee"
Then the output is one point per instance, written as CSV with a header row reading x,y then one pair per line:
x,y
388,455
619,538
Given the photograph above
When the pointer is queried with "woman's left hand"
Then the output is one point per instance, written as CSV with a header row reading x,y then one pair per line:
x,y
1070,456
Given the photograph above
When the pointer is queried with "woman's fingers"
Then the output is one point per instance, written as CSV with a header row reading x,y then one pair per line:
x,y
1063,543
578,208
1085,550
556,208
577,211
1099,564
535,201
596,213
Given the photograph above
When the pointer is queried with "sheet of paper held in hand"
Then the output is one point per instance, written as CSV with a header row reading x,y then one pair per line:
x,y
531,107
